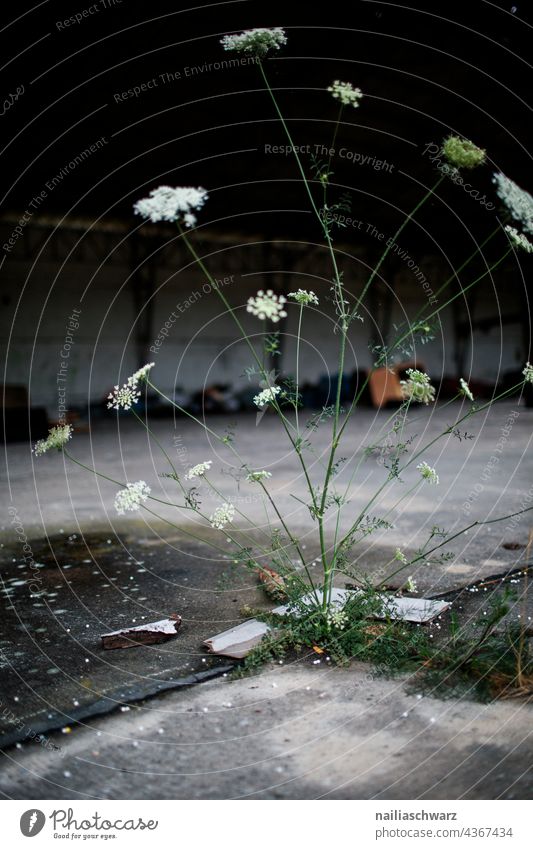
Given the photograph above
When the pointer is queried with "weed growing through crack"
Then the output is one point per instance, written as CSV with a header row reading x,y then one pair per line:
x,y
348,631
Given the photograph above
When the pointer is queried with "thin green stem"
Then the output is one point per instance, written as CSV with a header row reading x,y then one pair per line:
x,y
297,546
343,327
220,439
473,411
293,148
468,528
161,448
391,242
298,335
190,534
335,132
239,512
399,340
286,424
456,272
120,483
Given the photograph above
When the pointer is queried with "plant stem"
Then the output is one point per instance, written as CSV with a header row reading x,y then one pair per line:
x,y
399,340
450,429
220,439
391,242
300,315
120,483
286,424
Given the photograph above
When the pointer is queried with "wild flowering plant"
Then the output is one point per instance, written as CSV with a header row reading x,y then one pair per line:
x,y
57,438
326,501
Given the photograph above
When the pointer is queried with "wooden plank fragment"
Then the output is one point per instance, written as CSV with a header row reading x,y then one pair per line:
x,y
143,635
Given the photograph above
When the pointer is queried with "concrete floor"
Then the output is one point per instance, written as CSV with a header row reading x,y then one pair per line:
x,y
300,732
297,731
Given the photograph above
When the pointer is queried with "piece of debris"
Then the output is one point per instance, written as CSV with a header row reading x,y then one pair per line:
x,y
513,546
273,584
239,641
375,631
420,610
143,635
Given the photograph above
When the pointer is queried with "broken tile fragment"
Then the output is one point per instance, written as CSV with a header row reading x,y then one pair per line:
x,y
239,641
143,635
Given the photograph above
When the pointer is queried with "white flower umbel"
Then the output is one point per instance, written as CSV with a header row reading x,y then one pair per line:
x,y
346,93
123,397
222,516
267,305
338,619
57,437
519,240
131,497
198,470
303,297
465,389
140,375
429,474
417,387
410,584
258,476
256,42
266,396
168,204
517,200
528,373
399,555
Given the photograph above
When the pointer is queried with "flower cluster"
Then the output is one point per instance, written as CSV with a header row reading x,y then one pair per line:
x,y
410,584
57,437
123,397
465,390
338,619
463,153
346,93
399,555
258,476
303,297
528,373
267,305
255,41
519,240
198,470
518,202
417,387
131,497
168,204
428,474
141,374
266,396
222,515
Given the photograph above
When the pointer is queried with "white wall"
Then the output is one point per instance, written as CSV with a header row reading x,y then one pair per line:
x,y
104,347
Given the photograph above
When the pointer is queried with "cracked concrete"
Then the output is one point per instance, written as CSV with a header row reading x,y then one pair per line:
x,y
300,730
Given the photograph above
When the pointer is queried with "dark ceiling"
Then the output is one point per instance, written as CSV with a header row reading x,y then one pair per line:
x,y
426,69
